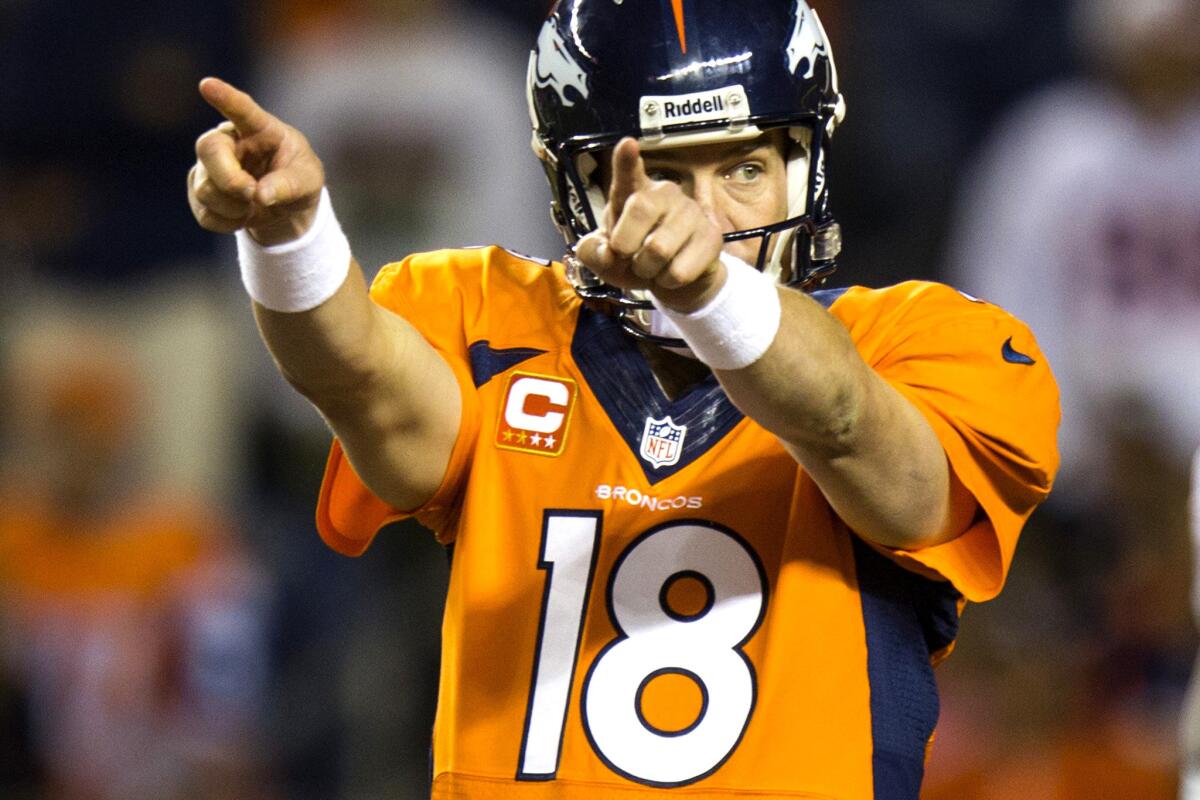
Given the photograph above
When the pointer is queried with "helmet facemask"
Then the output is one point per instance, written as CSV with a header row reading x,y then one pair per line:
x,y
798,251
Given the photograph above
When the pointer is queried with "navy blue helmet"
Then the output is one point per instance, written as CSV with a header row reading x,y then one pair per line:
x,y
672,73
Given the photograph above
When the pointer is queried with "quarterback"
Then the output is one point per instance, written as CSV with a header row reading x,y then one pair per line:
x,y
712,526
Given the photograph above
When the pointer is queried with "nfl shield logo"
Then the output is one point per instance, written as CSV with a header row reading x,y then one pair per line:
x,y
662,441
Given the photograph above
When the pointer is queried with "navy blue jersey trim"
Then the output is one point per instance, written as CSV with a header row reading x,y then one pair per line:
x,y
907,618
487,363
621,379
827,297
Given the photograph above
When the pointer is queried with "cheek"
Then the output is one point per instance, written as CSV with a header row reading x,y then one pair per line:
x,y
779,195
755,210
754,207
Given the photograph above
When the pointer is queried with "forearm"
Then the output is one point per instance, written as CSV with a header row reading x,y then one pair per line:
x,y
332,352
870,451
389,397
373,378
809,388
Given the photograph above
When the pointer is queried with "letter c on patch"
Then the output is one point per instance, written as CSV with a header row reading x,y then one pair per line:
x,y
523,405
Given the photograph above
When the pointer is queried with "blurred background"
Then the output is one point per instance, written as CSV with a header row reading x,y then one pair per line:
x,y
170,625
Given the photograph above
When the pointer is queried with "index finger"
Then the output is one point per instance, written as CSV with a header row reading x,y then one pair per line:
x,y
628,176
236,106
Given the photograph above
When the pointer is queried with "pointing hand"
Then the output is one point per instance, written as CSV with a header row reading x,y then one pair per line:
x,y
253,171
653,236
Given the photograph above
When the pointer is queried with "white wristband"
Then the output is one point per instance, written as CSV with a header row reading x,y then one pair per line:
x,y
298,275
738,325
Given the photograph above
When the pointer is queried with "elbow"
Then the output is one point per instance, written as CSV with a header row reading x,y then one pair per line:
x,y
844,425
837,431
930,509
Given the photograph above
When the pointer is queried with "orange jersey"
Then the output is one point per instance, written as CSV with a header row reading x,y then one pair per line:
x,y
649,593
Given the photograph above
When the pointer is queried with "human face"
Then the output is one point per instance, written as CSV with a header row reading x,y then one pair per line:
x,y
738,185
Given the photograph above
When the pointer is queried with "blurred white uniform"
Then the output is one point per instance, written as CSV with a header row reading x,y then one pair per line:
x,y
423,127
1083,217
421,121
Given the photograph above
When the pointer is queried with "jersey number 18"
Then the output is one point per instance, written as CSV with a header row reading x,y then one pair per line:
x,y
652,640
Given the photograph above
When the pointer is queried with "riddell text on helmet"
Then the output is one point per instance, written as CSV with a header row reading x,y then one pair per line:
x,y
691,107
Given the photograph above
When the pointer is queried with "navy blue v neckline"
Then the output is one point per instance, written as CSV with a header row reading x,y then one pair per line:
x,y
621,379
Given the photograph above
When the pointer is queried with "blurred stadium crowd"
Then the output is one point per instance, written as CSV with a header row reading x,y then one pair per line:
x,y
170,625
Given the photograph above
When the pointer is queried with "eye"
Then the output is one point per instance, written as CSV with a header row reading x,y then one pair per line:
x,y
745,173
663,175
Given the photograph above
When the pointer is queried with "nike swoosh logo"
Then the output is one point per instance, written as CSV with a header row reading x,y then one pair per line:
x,y
1013,356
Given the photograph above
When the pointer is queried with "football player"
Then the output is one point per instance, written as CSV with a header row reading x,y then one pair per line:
x,y
712,525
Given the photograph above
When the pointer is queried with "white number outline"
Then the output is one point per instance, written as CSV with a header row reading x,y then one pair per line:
x,y
548,518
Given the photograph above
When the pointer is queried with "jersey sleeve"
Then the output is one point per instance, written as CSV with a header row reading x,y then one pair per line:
x,y
463,302
978,377
437,293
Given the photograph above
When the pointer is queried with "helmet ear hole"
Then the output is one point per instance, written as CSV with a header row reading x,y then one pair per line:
x,y
798,169
587,164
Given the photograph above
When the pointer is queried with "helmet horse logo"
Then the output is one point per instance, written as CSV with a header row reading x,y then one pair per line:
x,y
555,67
807,42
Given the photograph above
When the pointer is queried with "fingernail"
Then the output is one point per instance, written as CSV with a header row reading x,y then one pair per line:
x,y
248,192
268,196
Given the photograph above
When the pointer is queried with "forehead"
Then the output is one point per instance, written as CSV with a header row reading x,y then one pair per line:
x,y
770,142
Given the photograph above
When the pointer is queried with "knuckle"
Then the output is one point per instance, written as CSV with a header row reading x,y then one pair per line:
x,y
588,251
620,249
658,250
669,280
623,242
644,270
209,220
639,206
647,264
208,193
207,143
204,191
205,218
678,276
